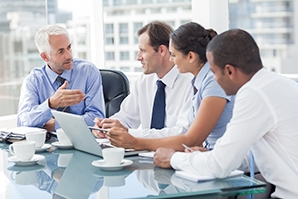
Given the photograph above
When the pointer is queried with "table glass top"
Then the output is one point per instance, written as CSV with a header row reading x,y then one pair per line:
x,y
70,174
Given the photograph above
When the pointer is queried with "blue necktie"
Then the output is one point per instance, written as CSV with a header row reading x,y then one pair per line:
x,y
61,81
159,107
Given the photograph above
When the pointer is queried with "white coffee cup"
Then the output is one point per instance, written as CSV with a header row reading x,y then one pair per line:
x,y
23,150
113,156
62,137
38,136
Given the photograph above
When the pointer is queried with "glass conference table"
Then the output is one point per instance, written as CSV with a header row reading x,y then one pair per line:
x,y
70,174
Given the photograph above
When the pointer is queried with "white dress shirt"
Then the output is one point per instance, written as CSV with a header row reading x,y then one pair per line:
x,y
265,120
136,108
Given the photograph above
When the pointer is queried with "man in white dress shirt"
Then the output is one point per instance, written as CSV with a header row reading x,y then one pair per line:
x,y
264,118
135,113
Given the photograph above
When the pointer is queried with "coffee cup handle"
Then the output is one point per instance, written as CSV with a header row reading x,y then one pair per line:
x,y
14,174
11,149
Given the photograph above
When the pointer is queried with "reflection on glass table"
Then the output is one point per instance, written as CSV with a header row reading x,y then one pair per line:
x,y
70,174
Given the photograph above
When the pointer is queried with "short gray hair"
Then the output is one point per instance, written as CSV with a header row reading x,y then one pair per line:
x,y
42,37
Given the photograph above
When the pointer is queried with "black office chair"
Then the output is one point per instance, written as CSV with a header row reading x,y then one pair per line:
x,y
115,89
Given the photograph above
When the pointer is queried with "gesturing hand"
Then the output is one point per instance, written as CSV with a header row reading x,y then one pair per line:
x,y
66,97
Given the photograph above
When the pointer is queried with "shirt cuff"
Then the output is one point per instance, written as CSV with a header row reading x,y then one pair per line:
x,y
177,160
135,132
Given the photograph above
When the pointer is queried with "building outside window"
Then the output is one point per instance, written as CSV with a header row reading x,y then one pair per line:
x,y
124,55
110,56
271,23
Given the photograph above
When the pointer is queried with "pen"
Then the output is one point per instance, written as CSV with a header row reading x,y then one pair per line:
x,y
99,129
187,147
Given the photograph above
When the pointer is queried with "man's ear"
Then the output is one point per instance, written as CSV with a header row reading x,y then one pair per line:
x,y
231,71
163,50
44,56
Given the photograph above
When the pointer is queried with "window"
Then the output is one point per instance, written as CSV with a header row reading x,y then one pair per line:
x,y
147,1
136,27
117,2
82,55
138,69
123,40
136,55
131,2
124,55
125,68
21,20
123,32
109,33
123,28
18,54
109,29
109,40
110,55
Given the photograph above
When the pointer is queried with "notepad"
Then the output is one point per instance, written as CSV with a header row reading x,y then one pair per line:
x,y
147,154
198,177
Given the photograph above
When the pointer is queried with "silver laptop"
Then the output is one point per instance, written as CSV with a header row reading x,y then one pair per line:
x,y
81,136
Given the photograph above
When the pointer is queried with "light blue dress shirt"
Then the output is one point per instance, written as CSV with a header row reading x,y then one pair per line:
x,y
41,84
207,86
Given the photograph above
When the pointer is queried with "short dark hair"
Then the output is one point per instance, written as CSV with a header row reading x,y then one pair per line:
x,y
159,33
238,48
192,37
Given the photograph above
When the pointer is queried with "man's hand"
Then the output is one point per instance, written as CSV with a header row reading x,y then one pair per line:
x,y
108,123
97,133
65,97
121,138
162,157
50,125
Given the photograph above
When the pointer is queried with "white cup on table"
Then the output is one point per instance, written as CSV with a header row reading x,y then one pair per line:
x,y
38,136
113,156
23,150
62,137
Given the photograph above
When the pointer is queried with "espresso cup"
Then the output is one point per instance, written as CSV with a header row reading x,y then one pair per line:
x,y
23,150
113,156
62,137
38,136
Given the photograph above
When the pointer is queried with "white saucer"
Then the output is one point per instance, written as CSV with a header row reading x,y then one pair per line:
x,y
35,167
43,148
102,164
62,146
33,160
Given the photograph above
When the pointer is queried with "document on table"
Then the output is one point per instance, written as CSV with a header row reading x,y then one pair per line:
x,y
198,177
147,154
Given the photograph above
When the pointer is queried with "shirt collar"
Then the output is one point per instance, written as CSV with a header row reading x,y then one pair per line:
x,y
201,75
53,76
170,78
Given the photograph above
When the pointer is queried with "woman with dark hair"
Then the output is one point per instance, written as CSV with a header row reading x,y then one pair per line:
x,y
211,107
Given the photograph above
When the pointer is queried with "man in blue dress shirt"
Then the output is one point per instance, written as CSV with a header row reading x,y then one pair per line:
x,y
79,90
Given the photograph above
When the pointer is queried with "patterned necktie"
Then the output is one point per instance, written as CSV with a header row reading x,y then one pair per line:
x,y
159,107
61,81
